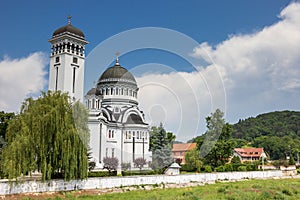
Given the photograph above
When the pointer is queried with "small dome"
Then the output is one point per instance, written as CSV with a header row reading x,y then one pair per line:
x,y
93,91
117,73
68,28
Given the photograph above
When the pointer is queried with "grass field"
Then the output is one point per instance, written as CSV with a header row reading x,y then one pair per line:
x,y
248,189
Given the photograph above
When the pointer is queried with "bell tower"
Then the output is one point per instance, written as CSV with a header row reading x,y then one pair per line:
x,y
67,61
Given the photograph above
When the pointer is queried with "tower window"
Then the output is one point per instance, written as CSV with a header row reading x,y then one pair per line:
x,y
57,59
112,152
75,60
74,71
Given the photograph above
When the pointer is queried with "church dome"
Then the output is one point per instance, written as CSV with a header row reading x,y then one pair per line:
x,y
68,29
116,74
116,82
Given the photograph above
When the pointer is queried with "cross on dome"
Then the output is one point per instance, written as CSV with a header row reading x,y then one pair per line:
x,y
117,58
69,19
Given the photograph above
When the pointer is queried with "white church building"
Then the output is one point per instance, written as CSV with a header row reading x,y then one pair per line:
x,y
117,125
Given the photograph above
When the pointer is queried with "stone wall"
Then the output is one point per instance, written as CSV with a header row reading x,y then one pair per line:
x,y
111,182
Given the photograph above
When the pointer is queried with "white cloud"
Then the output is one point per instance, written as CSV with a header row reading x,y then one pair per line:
x,y
180,100
20,78
260,71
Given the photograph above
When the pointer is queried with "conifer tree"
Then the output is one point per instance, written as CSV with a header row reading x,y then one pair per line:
x,y
161,147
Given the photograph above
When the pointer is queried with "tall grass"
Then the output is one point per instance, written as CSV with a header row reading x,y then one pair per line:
x,y
247,189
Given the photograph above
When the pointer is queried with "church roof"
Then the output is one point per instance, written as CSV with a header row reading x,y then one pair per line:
x,y
93,91
68,28
134,119
117,73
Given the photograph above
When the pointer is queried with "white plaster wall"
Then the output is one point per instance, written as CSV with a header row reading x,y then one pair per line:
x,y
111,182
94,139
65,75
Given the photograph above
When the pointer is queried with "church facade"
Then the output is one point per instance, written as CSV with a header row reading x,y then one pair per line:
x,y
117,125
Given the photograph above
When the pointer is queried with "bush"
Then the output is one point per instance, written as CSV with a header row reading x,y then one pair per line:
x,y
207,168
110,163
298,170
235,160
102,174
242,168
188,168
292,161
220,169
228,168
251,167
140,162
142,172
278,163
236,166
125,166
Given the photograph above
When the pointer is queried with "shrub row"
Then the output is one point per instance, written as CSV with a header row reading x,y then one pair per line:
x,y
236,167
102,174
143,172
187,168
222,168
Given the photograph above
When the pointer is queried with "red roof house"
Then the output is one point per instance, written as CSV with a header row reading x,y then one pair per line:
x,y
249,154
179,151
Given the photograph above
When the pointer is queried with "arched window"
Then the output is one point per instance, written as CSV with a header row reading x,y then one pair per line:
x,y
88,103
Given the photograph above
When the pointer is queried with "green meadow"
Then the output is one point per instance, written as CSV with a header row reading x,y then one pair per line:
x,y
247,189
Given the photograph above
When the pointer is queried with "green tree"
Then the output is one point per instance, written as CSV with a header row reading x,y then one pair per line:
x,y
49,135
291,160
236,160
192,160
161,144
4,120
217,146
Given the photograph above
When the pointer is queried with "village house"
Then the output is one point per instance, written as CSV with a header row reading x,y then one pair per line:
x,y
249,154
179,151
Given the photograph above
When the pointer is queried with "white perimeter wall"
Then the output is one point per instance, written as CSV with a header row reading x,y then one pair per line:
x,y
111,182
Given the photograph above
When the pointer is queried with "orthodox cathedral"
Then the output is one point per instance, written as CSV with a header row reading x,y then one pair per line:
x,y
117,125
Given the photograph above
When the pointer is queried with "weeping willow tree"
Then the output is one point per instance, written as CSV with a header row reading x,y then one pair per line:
x,y
49,135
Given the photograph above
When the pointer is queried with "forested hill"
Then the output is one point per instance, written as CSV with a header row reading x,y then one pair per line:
x,y
280,123
277,132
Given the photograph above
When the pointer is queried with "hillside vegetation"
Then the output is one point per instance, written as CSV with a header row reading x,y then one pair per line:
x,y
278,132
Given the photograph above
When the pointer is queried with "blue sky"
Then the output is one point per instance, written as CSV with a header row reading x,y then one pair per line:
x,y
26,25
245,45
